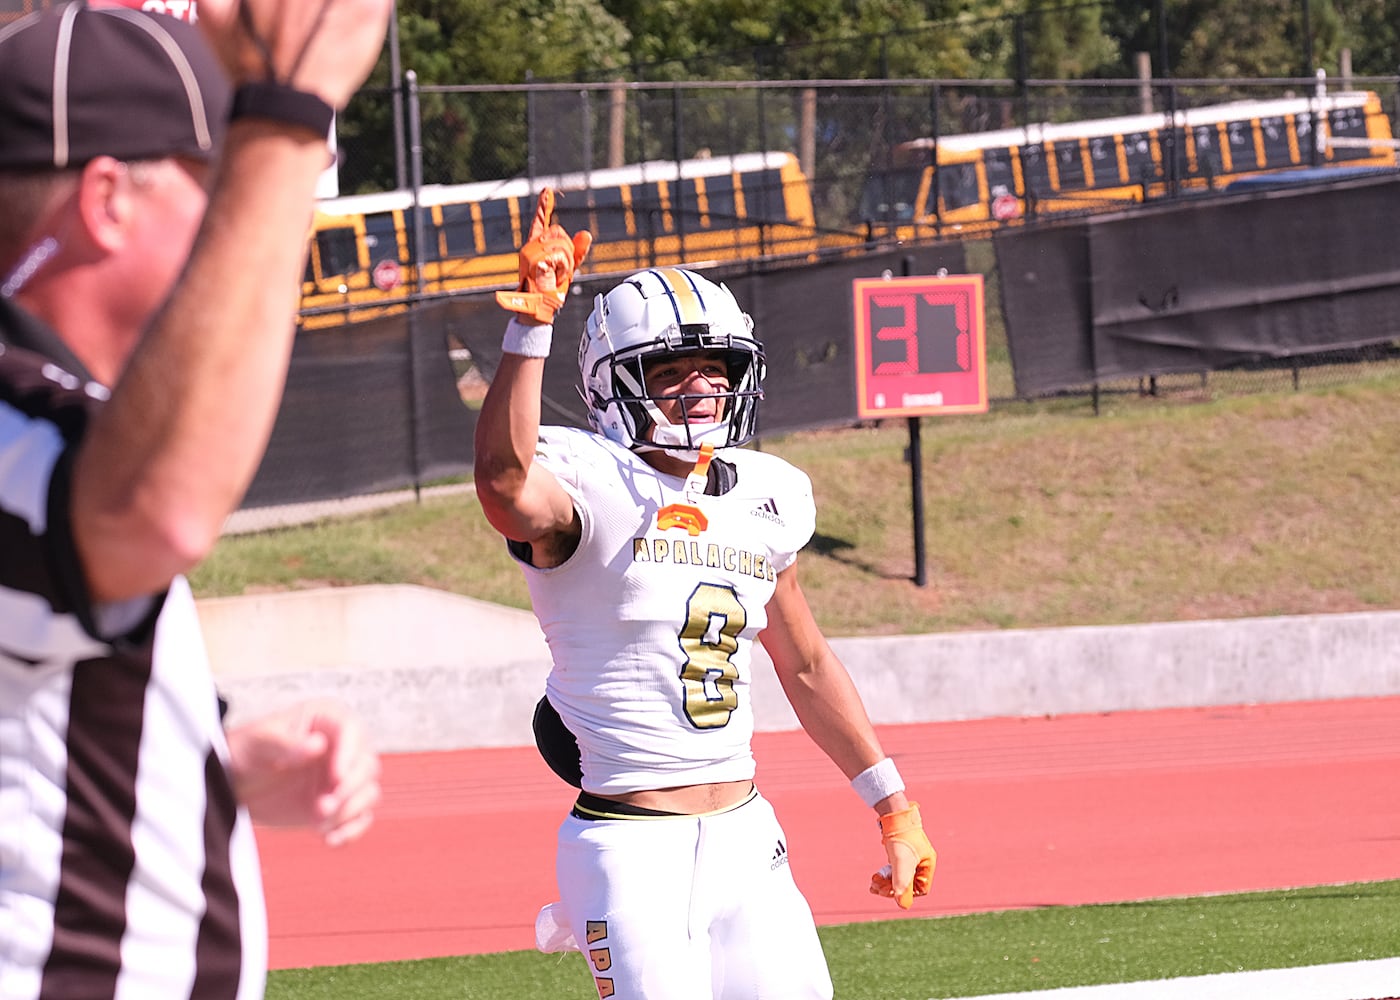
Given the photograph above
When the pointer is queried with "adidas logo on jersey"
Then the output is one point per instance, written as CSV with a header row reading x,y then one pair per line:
x,y
768,510
780,857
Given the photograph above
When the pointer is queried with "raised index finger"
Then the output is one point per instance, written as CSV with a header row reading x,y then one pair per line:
x,y
544,210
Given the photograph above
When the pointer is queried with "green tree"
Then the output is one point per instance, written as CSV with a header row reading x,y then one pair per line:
x,y
455,42
1371,30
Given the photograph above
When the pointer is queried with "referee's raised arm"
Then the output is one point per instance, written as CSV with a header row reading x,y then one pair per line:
x,y
175,450
156,194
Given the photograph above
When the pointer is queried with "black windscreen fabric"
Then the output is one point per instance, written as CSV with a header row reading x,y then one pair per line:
x,y
368,407
1201,285
1275,274
343,423
1045,306
375,405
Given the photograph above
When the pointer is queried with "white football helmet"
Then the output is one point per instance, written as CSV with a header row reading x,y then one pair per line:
x,y
657,312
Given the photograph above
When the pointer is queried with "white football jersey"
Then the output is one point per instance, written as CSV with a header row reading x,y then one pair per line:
x,y
651,628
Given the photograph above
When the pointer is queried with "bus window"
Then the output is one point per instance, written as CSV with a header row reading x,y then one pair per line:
x,y
719,191
498,234
381,238
1240,136
432,248
957,186
1036,170
1348,123
649,219
1180,139
1069,164
1104,159
690,215
763,197
337,252
572,212
1137,158
1303,125
457,230
889,196
1208,162
1277,151
1001,175
611,212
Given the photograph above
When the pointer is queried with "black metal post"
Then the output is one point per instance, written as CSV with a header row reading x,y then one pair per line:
x,y
415,150
676,136
415,141
935,195
916,476
396,94
1169,150
765,210
916,466
1308,69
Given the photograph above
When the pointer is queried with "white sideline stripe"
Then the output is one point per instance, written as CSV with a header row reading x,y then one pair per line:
x,y
1339,981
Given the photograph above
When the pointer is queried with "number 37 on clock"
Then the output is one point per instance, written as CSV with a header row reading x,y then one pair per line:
x,y
920,346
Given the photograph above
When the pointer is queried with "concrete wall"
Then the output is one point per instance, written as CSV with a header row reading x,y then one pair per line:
x,y
434,671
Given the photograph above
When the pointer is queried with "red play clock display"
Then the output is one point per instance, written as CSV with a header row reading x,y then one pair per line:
x,y
920,346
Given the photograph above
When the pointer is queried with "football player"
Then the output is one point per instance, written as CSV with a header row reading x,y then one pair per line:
x,y
657,551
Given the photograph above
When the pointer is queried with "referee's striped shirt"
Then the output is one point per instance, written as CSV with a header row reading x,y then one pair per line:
x,y
127,870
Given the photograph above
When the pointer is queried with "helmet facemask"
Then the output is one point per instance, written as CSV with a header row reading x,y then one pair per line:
x,y
737,405
637,324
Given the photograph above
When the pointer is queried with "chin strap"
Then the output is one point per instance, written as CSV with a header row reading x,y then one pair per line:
x,y
688,516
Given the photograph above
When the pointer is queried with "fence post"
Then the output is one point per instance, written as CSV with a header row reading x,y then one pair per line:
x,y
415,138
396,95
530,159
676,133
617,124
1144,73
586,127
1169,151
763,188
415,152
807,131
936,194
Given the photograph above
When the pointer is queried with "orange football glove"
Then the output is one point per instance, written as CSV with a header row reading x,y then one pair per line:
x,y
911,858
547,264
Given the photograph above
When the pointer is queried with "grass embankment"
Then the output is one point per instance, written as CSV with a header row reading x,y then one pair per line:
x,y
1037,514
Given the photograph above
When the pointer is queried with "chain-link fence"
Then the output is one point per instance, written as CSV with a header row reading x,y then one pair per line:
x,y
840,131
849,136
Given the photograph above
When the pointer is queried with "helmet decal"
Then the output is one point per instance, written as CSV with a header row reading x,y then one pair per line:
x,y
680,289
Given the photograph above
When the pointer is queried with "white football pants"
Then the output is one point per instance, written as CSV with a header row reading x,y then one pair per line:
x,y
690,907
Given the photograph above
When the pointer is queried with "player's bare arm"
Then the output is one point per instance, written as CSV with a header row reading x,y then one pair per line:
x,y
818,685
521,499
830,709
173,453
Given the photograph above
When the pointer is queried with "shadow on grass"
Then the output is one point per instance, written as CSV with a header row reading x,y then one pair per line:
x,y
840,550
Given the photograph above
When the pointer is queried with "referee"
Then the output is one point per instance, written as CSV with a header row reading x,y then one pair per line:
x,y
153,212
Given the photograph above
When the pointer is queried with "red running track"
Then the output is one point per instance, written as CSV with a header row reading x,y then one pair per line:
x,y
1023,812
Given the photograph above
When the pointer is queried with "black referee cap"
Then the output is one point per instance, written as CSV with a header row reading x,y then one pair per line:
x,y
77,82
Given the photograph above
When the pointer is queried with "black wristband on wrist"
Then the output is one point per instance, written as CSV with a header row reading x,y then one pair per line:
x,y
278,102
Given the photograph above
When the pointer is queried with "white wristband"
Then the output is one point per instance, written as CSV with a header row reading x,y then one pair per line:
x,y
531,340
878,781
